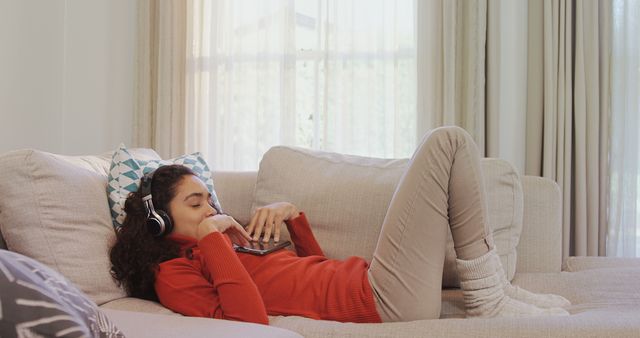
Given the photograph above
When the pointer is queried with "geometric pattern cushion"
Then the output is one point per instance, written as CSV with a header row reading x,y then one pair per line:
x,y
36,301
126,171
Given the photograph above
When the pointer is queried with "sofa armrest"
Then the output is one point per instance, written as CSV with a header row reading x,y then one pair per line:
x,y
540,247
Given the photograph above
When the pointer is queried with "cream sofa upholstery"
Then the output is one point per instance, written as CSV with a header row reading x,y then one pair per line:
x,y
604,291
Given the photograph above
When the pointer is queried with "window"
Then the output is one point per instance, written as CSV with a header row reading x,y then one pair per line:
x,y
332,75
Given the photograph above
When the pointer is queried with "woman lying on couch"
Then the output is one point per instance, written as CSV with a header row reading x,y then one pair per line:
x,y
188,262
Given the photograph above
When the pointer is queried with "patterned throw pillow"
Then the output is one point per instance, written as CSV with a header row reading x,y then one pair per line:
x,y
36,301
126,171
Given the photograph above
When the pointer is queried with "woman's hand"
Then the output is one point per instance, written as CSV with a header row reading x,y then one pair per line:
x,y
269,218
224,224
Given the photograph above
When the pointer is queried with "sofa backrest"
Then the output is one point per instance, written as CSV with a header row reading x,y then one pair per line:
x,y
539,249
540,245
346,198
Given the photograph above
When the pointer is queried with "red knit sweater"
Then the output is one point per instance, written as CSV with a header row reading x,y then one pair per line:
x,y
217,282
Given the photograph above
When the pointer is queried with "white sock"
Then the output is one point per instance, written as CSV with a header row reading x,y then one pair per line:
x,y
545,301
483,291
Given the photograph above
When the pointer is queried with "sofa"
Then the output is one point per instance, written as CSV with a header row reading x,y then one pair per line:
x,y
53,208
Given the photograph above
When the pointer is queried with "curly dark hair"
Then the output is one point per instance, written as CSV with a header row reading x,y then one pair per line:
x,y
136,253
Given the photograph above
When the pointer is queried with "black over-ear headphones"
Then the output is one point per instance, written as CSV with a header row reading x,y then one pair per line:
x,y
158,221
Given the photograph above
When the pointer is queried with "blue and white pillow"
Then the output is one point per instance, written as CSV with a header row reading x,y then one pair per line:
x,y
126,171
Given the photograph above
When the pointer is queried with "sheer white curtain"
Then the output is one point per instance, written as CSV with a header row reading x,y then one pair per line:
x,y
624,206
338,75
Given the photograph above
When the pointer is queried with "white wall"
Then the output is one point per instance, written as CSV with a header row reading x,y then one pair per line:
x,y
66,74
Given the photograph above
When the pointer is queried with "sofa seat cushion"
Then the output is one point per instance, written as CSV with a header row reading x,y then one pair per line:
x,y
138,305
600,287
605,303
607,289
595,323
142,325
346,199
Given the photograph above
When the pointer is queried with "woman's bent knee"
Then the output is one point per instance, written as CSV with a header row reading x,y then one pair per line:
x,y
451,132
447,138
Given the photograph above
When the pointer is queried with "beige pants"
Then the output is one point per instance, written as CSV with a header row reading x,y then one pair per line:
x,y
442,188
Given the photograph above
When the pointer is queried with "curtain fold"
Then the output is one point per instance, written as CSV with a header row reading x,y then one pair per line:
x,y
472,72
549,100
591,126
573,89
160,112
605,38
451,83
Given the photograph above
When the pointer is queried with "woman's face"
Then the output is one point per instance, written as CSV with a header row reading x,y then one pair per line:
x,y
190,206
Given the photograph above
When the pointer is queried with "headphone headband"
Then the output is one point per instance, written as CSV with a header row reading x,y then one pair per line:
x,y
145,184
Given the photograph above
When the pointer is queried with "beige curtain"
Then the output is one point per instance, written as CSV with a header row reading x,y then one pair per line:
x,y
544,110
160,81
471,62
451,38
592,115
567,128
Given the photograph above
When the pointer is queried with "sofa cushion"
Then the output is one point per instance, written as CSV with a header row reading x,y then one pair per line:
x,y
605,303
346,198
38,302
138,305
143,325
595,323
54,208
126,171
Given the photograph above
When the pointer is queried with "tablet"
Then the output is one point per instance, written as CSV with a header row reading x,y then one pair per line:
x,y
261,248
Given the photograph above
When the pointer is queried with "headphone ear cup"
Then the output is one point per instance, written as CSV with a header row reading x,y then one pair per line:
x,y
168,225
154,226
